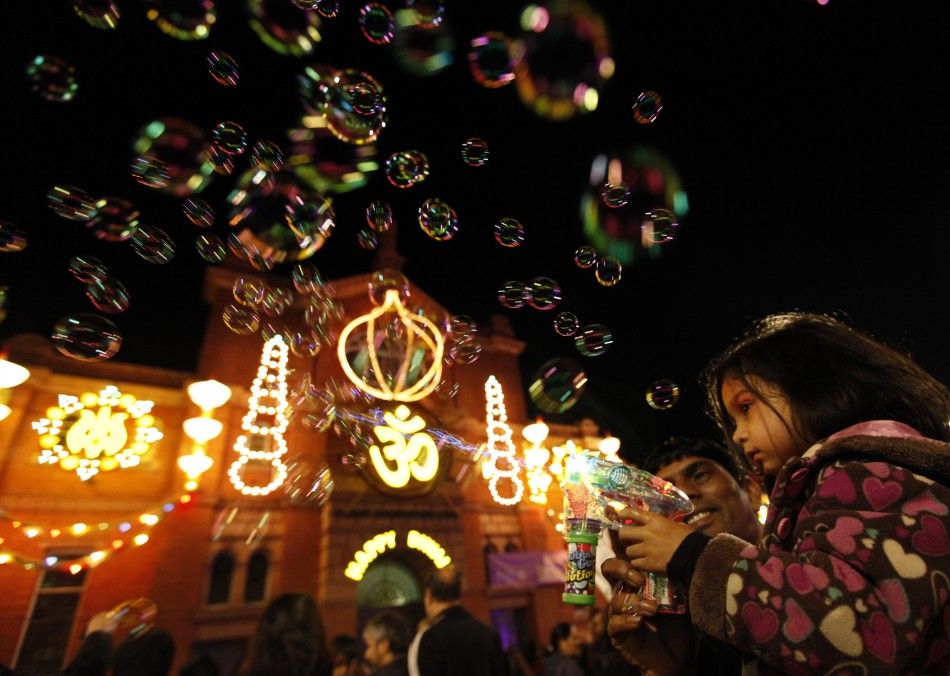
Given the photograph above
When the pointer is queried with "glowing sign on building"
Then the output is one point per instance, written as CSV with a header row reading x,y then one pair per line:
x,y
90,433
380,542
407,452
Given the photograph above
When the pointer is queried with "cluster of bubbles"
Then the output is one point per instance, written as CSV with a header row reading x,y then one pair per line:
x,y
462,346
259,306
540,293
309,483
438,220
607,269
406,168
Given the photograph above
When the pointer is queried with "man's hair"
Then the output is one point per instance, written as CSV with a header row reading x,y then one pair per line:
x,y
390,627
677,448
445,584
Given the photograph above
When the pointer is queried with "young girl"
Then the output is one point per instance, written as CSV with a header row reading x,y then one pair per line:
x,y
852,574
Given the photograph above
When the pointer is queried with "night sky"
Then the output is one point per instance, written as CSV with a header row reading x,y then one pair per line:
x,y
811,141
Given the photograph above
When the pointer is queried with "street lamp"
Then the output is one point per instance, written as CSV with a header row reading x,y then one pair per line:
x,y
207,395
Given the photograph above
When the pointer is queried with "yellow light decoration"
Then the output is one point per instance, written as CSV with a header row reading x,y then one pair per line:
x,y
268,400
417,327
428,546
201,430
413,451
5,412
609,446
209,394
11,374
89,434
499,434
372,548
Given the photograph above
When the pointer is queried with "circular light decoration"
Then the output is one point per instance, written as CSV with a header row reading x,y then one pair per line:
x,y
279,216
183,19
95,433
283,27
393,365
262,443
654,184
562,60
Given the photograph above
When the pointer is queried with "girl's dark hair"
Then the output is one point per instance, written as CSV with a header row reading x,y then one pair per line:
x,y
832,375
290,638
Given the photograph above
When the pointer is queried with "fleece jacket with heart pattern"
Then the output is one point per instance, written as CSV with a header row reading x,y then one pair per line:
x,y
852,575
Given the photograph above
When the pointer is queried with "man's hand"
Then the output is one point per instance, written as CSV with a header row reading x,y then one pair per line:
x,y
651,539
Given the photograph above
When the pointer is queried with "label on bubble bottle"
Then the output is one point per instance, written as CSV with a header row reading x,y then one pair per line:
x,y
658,588
581,565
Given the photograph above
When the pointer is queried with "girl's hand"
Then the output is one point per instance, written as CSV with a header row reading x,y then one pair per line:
x,y
651,540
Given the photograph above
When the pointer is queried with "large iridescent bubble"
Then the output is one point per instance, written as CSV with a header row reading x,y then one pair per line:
x,y
86,337
180,147
284,27
655,187
183,19
347,118
278,216
422,46
562,60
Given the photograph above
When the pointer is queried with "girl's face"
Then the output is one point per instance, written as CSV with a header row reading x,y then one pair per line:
x,y
763,423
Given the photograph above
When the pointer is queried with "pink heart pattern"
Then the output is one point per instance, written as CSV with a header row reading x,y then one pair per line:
x,y
771,571
798,626
880,469
879,637
853,580
925,502
932,539
841,537
762,623
881,493
894,596
838,486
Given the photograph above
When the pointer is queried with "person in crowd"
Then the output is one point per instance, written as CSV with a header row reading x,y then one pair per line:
x,y
386,637
93,656
563,653
147,654
451,641
600,657
203,665
290,640
725,500
346,656
851,574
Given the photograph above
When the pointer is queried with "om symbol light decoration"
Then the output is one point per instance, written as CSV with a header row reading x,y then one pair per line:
x,y
405,461
265,422
90,434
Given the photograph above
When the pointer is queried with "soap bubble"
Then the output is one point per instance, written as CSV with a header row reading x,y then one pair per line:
x,y
86,337
367,239
241,320
438,220
115,219
183,19
509,232
427,13
585,257
221,162
475,152
593,340
406,168
153,244
464,349
12,238
267,156
490,60
303,344
328,8
52,78
87,269
609,271
382,281
662,395
543,293
307,484
462,325
421,48
354,458
283,28
659,226
108,295
379,216
71,203
182,149
198,212
307,279
565,324
102,14
615,194
211,248
249,290
150,171
355,108
223,68
513,295
647,107
230,137
557,385
377,23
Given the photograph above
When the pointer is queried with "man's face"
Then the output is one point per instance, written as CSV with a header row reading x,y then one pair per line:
x,y
377,650
720,504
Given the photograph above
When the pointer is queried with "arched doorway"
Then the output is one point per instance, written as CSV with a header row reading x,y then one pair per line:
x,y
393,582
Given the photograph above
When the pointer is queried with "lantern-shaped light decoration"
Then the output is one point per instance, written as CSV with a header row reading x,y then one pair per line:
x,y
500,446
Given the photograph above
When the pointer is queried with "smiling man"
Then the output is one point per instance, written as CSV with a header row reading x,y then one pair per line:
x,y
724,501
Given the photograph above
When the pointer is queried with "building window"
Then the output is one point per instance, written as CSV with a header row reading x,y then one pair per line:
x,y
51,622
222,569
255,584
